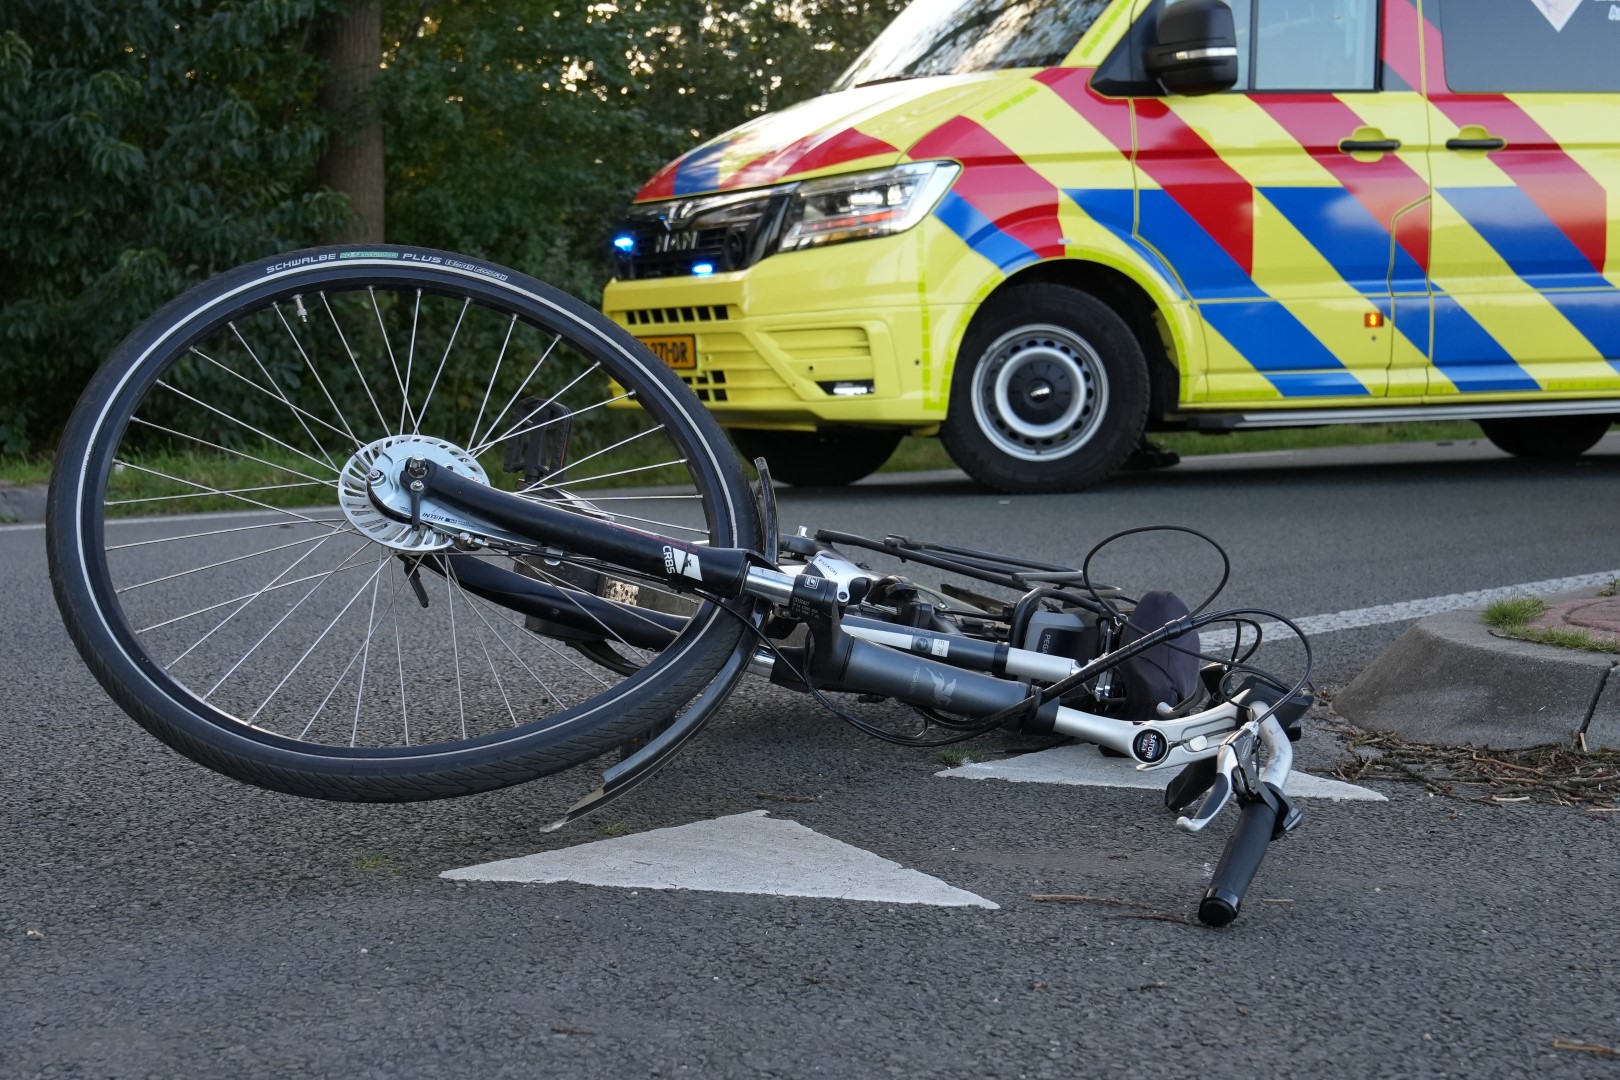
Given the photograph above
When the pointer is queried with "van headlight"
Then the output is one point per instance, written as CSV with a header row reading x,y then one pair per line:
x,y
858,206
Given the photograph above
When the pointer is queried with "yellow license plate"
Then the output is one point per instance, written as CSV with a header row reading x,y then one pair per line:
x,y
679,351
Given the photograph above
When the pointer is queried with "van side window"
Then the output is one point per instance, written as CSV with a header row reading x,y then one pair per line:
x,y
1508,46
1306,44
1315,45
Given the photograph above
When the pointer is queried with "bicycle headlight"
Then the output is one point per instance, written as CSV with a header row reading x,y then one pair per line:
x,y
858,206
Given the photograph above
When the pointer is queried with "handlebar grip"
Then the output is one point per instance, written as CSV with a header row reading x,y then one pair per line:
x,y
1238,863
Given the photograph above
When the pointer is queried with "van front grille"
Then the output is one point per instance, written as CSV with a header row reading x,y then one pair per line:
x,y
662,316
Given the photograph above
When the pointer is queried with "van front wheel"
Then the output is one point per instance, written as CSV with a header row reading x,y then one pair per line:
x,y
1050,392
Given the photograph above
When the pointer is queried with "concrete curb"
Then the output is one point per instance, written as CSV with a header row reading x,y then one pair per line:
x,y
22,503
1449,681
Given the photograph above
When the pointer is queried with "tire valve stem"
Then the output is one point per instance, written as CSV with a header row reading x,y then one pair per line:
x,y
298,307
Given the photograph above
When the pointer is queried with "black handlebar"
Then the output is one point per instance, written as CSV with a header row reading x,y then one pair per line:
x,y
1238,863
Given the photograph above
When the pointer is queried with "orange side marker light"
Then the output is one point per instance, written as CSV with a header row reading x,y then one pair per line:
x,y
1373,320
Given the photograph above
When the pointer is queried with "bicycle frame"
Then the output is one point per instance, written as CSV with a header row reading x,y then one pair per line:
x,y
918,667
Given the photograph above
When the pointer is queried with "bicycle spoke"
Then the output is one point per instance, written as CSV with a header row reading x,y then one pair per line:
x,y
570,415
621,472
517,393
410,359
399,656
221,491
226,603
479,419
512,434
275,393
310,364
202,535
455,653
483,643
546,643
371,628
268,587
200,441
569,594
383,562
313,589
433,386
227,562
239,498
337,685
588,457
364,385
502,639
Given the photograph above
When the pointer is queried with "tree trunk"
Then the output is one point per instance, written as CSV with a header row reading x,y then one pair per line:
x,y
351,46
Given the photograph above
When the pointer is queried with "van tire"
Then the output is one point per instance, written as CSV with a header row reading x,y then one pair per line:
x,y
1050,392
831,457
1546,438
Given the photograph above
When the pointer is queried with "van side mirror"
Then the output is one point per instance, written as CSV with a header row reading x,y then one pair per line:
x,y
1195,51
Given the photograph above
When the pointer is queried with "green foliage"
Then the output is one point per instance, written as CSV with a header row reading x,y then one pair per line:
x,y
519,131
147,145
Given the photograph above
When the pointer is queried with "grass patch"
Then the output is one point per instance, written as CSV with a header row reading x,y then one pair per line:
x,y
955,758
616,828
1512,618
1513,612
916,454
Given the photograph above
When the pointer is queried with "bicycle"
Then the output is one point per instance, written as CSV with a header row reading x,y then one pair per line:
x,y
365,410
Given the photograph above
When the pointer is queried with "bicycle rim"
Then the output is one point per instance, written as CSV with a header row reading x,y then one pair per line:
x,y
237,596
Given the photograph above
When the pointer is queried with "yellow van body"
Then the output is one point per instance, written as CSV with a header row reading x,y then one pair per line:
x,y
1389,242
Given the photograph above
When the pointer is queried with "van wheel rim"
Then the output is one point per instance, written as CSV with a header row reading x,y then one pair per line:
x,y
1040,393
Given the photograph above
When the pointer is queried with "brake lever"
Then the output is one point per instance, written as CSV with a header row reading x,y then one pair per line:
x,y
1235,774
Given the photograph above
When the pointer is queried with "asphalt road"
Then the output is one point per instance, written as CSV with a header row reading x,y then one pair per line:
x,y
158,920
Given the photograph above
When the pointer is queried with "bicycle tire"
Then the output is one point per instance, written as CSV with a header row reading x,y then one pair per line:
x,y
109,436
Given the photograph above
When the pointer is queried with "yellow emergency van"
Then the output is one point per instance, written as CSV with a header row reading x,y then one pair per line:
x,y
1042,228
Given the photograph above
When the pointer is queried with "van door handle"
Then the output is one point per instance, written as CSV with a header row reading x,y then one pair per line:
x,y
1369,140
1475,137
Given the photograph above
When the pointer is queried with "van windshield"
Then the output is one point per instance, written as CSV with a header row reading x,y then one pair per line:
x,y
952,37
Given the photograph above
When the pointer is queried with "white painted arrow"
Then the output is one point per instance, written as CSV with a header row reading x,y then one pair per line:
x,y
743,853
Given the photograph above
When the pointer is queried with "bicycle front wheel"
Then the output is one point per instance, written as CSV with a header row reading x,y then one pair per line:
x,y
221,573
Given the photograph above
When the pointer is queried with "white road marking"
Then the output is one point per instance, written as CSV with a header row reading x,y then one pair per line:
x,y
743,853
1356,618
1079,764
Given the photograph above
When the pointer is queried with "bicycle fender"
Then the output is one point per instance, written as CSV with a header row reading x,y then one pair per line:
x,y
629,773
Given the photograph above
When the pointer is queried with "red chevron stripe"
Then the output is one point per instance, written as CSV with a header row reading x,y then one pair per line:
x,y
1193,174
1533,160
1384,187
819,150
999,184
662,184
1177,157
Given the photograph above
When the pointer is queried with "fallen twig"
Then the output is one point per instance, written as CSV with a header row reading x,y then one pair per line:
x,y
1584,1047
774,797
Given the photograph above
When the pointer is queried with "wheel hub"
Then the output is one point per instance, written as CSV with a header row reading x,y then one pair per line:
x,y
376,473
1040,392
